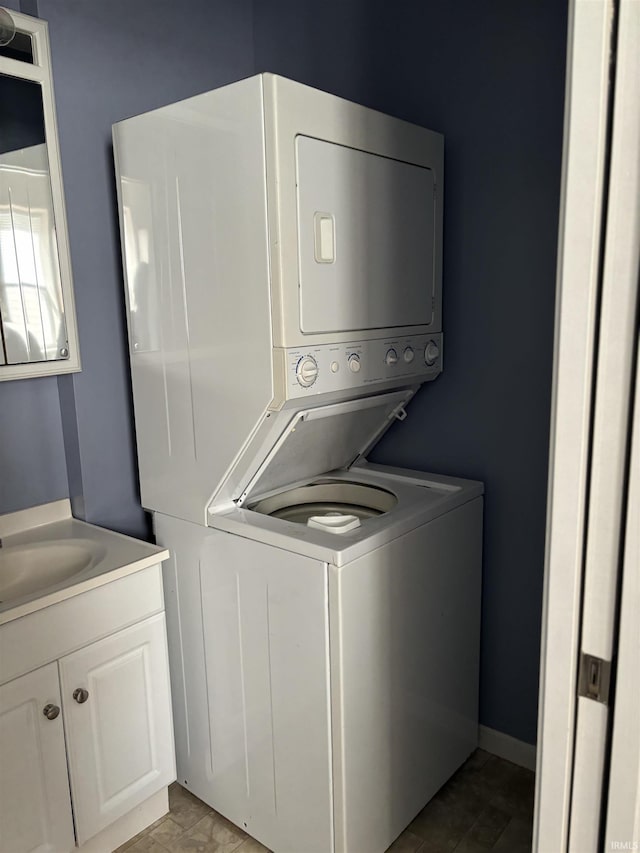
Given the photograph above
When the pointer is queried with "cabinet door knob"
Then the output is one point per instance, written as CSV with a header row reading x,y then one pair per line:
x,y
51,711
80,695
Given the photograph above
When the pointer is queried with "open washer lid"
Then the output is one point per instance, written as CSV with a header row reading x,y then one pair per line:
x,y
323,439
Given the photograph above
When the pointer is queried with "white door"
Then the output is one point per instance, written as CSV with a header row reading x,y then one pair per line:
x,y
35,809
623,801
610,430
118,720
596,339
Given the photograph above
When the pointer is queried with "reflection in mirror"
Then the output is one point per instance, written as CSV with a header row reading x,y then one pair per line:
x,y
14,43
20,47
31,308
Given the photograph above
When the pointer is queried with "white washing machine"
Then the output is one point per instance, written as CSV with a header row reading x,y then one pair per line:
x,y
326,684
282,255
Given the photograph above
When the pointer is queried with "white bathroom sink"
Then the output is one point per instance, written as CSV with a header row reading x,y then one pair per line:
x,y
26,569
47,556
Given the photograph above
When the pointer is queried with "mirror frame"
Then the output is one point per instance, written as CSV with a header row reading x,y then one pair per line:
x,y
40,72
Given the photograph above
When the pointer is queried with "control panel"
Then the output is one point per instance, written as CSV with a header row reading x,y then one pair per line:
x,y
325,368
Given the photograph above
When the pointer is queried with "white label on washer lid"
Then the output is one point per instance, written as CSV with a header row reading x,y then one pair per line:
x,y
324,234
334,522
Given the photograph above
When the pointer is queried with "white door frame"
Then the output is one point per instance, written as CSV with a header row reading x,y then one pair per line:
x,y
590,412
623,806
581,203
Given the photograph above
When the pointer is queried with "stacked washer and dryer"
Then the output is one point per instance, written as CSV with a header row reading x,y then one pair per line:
x,y
282,251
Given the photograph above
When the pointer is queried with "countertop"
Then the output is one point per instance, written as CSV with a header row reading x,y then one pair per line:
x,y
118,555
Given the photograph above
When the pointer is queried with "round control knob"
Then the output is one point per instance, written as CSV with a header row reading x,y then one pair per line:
x,y
408,355
307,371
431,353
354,363
391,357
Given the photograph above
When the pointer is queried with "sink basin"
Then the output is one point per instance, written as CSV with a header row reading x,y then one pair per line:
x,y
26,569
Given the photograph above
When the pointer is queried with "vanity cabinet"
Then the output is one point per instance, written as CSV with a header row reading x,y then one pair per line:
x,y
35,808
118,723
90,731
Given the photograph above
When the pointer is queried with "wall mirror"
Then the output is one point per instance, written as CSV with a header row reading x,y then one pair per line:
x,y
38,334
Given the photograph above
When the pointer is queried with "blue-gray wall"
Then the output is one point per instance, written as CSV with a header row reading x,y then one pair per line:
x,y
32,459
112,60
490,76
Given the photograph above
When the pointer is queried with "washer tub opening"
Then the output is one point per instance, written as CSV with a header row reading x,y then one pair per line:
x,y
324,497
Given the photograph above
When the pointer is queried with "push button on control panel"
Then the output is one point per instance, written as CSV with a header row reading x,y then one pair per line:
x,y
408,355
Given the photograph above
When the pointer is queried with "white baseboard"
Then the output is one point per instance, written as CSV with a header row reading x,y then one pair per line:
x,y
507,747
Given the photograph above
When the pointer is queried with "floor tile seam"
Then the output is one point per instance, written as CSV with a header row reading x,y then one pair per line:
x,y
498,804
184,832
210,811
508,816
161,846
177,838
504,829
191,825
128,845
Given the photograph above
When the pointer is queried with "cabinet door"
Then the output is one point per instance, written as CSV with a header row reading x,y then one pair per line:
x,y
35,809
118,720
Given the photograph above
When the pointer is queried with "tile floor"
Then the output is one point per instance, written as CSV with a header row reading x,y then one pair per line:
x,y
486,806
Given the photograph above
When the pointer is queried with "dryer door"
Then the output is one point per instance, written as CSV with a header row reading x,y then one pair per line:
x,y
366,230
